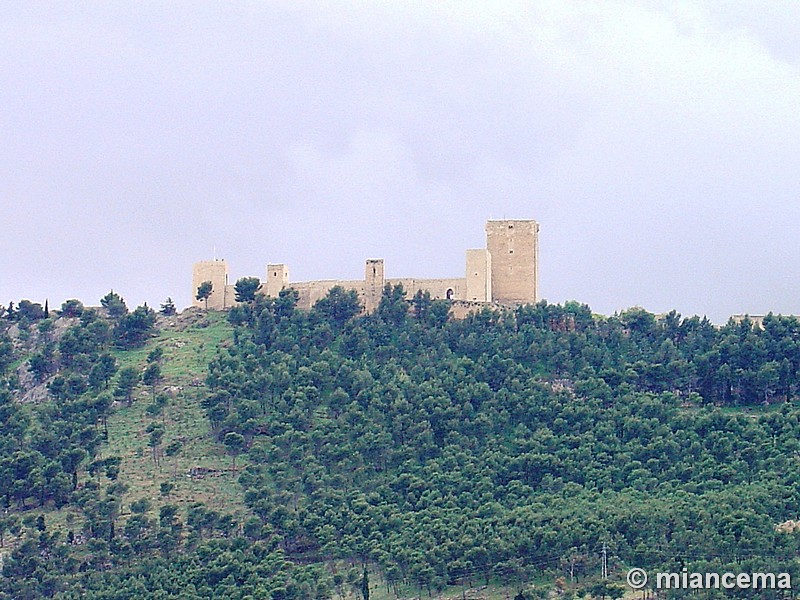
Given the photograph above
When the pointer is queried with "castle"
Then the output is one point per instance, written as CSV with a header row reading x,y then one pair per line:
x,y
505,272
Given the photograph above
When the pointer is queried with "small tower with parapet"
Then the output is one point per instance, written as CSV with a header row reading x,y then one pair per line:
x,y
277,279
373,284
514,249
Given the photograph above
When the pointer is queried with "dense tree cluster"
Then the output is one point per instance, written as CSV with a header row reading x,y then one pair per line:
x,y
513,439
155,557
511,445
43,446
50,459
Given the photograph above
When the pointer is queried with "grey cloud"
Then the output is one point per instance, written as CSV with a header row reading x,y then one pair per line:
x,y
657,145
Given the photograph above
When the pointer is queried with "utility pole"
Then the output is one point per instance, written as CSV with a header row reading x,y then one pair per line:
x,y
605,561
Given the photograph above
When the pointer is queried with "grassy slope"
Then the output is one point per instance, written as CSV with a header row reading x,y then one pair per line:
x,y
189,342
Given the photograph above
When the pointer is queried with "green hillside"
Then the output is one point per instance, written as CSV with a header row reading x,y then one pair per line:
x,y
189,342
267,452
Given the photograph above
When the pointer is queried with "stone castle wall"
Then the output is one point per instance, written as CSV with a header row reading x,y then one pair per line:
x,y
311,291
440,289
505,272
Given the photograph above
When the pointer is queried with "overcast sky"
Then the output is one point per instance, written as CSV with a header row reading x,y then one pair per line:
x,y
657,144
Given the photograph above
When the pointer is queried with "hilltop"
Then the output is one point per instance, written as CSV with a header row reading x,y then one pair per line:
x,y
200,469
268,451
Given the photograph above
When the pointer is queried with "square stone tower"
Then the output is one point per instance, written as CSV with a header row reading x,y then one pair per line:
x,y
277,279
215,271
514,249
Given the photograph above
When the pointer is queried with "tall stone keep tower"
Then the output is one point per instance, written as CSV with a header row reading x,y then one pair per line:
x,y
215,271
514,249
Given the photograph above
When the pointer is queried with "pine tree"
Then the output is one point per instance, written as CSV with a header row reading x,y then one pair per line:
x,y
168,308
204,291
